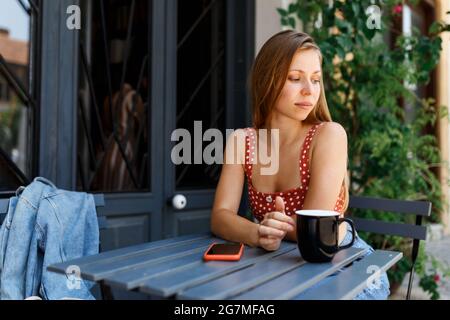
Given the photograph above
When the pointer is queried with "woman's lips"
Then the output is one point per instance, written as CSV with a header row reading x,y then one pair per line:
x,y
304,105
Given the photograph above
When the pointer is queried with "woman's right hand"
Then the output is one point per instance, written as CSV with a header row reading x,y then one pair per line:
x,y
274,227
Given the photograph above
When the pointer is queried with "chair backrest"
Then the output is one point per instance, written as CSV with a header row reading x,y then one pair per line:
x,y
99,200
3,209
415,231
418,208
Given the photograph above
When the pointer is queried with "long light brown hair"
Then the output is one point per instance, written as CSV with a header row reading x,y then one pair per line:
x,y
268,77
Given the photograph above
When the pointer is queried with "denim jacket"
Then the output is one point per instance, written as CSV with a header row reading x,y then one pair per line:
x,y
45,225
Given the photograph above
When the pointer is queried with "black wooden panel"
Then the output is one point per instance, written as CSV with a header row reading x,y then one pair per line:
x,y
125,231
4,206
422,208
389,228
59,84
11,177
192,222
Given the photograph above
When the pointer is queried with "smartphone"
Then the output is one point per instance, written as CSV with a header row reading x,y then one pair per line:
x,y
228,251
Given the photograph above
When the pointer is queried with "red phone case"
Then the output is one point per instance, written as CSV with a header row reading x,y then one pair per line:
x,y
223,257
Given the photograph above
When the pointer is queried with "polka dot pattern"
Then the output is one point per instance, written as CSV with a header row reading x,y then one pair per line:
x,y
262,202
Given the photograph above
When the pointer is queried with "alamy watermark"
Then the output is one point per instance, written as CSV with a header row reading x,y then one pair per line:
x,y
373,12
374,17
213,153
73,274
374,282
73,22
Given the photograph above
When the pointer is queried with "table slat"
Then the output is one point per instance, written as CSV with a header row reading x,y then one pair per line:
x,y
354,279
108,257
237,282
100,271
175,282
292,283
135,277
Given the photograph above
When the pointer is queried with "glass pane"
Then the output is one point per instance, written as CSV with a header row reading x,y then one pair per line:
x,y
14,113
114,91
200,81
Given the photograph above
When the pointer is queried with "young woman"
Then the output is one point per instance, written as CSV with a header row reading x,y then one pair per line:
x,y
287,95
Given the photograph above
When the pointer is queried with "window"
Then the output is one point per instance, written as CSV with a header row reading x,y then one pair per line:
x,y
201,87
18,30
113,97
3,92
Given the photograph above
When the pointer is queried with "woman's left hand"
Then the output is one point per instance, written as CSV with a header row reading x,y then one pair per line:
x,y
274,227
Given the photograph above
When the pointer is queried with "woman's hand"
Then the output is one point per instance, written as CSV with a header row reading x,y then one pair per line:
x,y
274,227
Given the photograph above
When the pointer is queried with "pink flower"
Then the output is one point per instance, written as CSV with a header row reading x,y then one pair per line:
x,y
436,278
397,9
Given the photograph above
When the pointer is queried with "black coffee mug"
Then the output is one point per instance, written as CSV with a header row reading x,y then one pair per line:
x,y
318,234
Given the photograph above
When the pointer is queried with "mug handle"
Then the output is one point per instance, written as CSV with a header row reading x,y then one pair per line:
x,y
350,222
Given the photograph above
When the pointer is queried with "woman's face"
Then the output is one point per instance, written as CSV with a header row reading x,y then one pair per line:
x,y
301,90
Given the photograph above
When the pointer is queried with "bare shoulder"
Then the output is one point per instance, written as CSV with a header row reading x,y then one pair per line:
x,y
333,128
331,136
331,133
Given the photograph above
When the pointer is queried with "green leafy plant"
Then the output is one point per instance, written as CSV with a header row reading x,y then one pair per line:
x,y
373,78
432,271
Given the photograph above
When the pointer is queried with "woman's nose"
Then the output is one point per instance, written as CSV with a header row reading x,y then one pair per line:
x,y
306,89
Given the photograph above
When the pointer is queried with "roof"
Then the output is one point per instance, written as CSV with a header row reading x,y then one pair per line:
x,y
14,51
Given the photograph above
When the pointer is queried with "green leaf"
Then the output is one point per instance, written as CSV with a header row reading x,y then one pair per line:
x,y
343,25
292,22
340,52
355,7
435,27
282,12
344,42
369,33
293,7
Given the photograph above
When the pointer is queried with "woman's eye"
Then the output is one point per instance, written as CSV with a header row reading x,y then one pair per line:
x,y
297,79
315,81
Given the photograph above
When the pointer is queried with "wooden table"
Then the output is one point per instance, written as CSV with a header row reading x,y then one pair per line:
x,y
174,269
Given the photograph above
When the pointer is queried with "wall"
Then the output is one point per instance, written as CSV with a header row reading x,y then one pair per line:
x,y
267,20
443,98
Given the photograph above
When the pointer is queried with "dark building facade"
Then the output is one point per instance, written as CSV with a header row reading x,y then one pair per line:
x,y
103,101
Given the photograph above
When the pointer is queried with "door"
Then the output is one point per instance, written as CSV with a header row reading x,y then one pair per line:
x,y
210,49
129,77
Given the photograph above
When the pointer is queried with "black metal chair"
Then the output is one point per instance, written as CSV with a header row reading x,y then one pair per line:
x,y
415,231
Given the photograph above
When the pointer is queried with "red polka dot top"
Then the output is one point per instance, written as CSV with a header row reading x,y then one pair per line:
x,y
262,202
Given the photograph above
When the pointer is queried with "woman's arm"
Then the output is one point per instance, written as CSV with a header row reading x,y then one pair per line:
x,y
328,166
225,221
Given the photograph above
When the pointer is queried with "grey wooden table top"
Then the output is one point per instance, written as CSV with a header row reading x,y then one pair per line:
x,y
173,268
